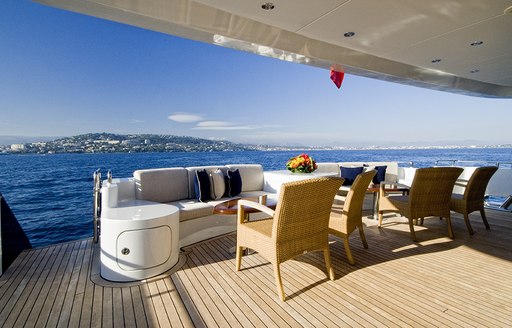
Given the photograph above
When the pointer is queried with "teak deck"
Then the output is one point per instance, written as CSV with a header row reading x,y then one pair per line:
x,y
434,282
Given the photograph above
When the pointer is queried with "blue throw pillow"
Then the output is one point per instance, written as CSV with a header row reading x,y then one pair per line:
x,y
202,185
350,174
234,183
381,174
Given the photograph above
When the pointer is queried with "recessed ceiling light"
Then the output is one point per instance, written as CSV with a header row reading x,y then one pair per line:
x,y
349,34
267,6
474,71
476,43
437,60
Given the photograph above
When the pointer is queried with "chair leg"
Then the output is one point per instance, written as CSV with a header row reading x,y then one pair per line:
x,y
363,237
380,219
484,218
239,252
279,282
450,228
468,224
411,227
347,250
328,265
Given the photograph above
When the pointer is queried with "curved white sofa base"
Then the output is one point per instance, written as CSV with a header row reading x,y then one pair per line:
x,y
198,229
206,227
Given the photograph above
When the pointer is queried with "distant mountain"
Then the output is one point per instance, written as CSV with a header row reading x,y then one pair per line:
x,y
131,143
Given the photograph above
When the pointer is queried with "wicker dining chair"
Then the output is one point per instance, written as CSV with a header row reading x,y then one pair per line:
x,y
473,197
430,195
348,217
299,224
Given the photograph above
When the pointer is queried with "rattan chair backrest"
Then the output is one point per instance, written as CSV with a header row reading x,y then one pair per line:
x,y
303,208
433,186
354,201
475,189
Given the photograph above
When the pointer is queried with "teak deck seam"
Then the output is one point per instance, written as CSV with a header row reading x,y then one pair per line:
x,y
434,282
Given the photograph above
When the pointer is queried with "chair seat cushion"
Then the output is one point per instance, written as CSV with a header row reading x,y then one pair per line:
x,y
400,202
264,226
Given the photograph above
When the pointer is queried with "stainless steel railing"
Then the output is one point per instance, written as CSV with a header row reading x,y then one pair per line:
x,y
454,162
96,205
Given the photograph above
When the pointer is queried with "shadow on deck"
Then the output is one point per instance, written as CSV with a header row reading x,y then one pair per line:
x,y
434,282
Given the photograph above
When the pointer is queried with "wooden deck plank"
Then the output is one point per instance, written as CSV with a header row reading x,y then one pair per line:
x,y
159,306
270,314
193,298
265,283
326,294
70,290
169,308
107,315
97,307
50,311
128,311
25,303
138,308
226,306
180,308
87,289
40,299
14,291
434,282
181,283
117,307
242,309
149,308
264,275
8,277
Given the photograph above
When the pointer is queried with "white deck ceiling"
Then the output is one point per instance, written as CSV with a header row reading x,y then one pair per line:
x,y
394,40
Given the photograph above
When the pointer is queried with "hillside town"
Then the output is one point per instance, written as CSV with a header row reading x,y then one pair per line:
x,y
141,143
117,143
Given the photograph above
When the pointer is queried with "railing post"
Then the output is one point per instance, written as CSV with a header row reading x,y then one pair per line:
x,y
96,205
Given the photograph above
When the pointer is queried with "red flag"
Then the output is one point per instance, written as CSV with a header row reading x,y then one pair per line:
x,y
337,76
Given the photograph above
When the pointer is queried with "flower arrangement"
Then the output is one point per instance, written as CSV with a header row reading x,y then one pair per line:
x,y
301,164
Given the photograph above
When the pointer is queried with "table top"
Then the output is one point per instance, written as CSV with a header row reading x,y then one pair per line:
x,y
231,206
392,187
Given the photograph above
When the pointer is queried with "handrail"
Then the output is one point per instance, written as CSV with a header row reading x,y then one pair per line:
x,y
96,205
454,161
410,163
500,163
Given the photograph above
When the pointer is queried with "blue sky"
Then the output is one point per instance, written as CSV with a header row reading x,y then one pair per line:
x,y
64,74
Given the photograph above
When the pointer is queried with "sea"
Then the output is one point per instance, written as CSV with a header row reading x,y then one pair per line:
x,y
51,195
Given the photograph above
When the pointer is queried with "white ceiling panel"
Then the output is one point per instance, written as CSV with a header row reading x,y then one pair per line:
x,y
395,40
289,15
458,57
383,27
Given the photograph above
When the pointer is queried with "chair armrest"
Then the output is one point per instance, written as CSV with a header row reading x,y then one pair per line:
x,y
258,206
